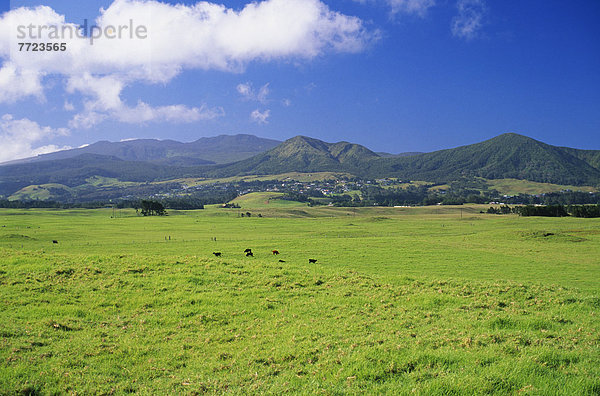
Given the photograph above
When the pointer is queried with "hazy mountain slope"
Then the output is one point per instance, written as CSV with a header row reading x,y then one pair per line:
x,y
229,148
73,172
220,149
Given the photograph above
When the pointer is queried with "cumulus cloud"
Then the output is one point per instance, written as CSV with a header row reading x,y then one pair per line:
x,y
200,36
17,83
174,113
18,138
86,120
177,37
469,21
104,101
260,118
248,93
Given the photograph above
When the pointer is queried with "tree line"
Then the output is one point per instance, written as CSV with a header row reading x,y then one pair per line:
x,y
456,195
585,211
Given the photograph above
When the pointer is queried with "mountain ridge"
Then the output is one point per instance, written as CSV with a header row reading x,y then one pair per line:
x,y
505,156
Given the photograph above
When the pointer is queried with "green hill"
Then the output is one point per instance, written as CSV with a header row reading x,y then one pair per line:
x,y
302,154
265,200
508,156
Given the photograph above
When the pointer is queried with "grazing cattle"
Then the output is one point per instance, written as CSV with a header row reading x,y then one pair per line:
x,y
249,254
217,254
282,261
312,261
275,252
248,251
55,241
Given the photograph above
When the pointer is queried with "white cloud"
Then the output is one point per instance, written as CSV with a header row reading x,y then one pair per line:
x,y
18,83
104,102
411,7
260,118
69,106
105,91
174,113
204,35
286,102
86,120
416,7
17,138
51,148
469,21
262,94
247,92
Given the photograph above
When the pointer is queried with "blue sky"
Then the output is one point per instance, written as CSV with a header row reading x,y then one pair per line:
x,y
410,82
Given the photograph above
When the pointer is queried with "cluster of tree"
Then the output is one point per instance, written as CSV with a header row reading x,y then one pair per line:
x,y
248,214
545,211
587,211
183,203
504,209
296,196
152,208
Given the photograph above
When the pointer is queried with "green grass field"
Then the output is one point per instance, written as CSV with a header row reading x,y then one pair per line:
x,y
436,300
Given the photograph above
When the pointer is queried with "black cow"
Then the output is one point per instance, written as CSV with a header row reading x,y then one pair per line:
x,y
282,261
249,254
312,261
55,241
217,254
248,251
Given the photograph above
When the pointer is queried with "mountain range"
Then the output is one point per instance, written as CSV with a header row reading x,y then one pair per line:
x,y
506,156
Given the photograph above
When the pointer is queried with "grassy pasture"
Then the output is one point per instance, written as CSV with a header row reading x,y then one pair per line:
x,y
437,300
515,186
284,177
